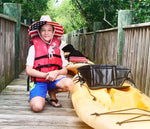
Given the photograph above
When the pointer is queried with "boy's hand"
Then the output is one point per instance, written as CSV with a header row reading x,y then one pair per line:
x,y
52,75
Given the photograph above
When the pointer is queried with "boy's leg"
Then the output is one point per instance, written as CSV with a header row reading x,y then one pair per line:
x,y
37,96
52,91
53,99
63,84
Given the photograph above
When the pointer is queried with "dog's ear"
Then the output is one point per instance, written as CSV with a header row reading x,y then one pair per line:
x,y
76,53
68,48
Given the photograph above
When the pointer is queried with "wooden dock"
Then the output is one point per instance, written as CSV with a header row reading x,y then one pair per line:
x,y
15,112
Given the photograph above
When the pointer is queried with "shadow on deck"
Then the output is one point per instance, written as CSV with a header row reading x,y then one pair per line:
x,y
15,112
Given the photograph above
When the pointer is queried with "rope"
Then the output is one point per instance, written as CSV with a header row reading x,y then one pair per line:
x,y
111,112
117,112
130,120
80,79
94,98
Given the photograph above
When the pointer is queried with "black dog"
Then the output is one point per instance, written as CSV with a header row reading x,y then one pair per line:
x,y
73,52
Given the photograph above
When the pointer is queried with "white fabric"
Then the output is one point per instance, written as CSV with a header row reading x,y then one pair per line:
x,y
63,44
31,57
45,18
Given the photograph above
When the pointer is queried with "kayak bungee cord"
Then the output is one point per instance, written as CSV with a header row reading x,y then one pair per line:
x,y
79,79
130,120
119,112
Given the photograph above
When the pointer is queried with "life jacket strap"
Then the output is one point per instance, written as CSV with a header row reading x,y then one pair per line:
x,y
47,56
48,65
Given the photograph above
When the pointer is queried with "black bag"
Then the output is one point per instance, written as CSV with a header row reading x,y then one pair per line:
x,y
104,75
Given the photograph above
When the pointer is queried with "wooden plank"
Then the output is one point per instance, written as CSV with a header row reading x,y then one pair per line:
x,y
113,42
147,88
142,59
143,49
145,58
7,120
138,60
135,46
89,46
15,112
2,51
24,45
98,50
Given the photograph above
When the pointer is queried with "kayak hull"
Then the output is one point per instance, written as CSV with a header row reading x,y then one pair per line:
x,y
113,109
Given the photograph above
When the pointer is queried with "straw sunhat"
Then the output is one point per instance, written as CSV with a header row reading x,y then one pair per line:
x,y
45,19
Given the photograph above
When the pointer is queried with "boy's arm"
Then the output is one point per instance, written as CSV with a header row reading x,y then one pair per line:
x,y
35,73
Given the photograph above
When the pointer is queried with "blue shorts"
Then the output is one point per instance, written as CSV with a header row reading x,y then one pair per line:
x,y
41,88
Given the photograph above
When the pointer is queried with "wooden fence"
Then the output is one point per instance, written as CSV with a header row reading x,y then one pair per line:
x,y
23,47
135,54
7,49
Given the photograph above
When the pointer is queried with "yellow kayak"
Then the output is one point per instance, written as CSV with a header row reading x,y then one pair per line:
x,y
111,108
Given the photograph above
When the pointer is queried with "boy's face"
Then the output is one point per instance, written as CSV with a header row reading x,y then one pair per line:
x,y
46,32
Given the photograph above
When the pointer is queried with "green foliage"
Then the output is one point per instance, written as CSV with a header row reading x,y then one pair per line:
x,y
31,9
75,14
66,14
1,8
98,11
141,11
106,11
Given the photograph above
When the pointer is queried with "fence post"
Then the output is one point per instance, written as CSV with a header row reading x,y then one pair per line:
x,y
14,11
124,18
78,39
97,26
84,39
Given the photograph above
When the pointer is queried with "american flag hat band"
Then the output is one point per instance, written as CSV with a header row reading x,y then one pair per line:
x,y
33,28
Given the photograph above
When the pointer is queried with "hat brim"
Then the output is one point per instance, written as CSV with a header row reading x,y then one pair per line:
x,y
33,28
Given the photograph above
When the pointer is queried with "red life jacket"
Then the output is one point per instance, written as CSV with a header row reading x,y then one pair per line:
x,y
45,62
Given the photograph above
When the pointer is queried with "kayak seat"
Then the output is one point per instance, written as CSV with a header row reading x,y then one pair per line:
x,y
104,75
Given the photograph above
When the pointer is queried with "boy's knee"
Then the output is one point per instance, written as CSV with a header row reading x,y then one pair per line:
x,y
69,84
37,107
37,104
